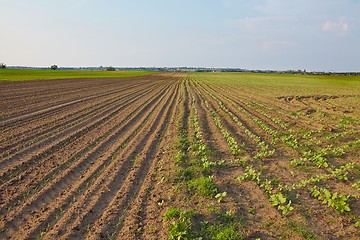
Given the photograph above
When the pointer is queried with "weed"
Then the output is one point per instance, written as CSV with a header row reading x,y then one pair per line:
x,y
252,211
219,232
301,229
180,227
180,157
171,213
228,217
223,228
185,174
183,143
204,186
110,235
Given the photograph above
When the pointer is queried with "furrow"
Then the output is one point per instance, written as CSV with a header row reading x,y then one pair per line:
x,y
243,141
131,223
49,110
57,169
213,138
66,94
83,170
90,104
49,145
112,219
103,186
72,118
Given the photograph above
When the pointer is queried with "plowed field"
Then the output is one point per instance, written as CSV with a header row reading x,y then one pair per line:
x,y
180,156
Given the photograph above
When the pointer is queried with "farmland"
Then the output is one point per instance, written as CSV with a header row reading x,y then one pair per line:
x,y
181,155
42,74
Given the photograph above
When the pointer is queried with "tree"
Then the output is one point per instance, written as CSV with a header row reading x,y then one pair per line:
x,y
54,67
110,68
2,65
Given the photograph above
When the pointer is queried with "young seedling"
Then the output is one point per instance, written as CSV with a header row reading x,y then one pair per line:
x,y
220,196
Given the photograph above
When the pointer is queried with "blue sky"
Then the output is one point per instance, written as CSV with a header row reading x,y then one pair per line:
x,y
321,35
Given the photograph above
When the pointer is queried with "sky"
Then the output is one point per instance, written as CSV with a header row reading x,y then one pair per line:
x,y
316,35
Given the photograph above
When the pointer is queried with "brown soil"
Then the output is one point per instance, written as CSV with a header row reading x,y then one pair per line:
x,y
94,158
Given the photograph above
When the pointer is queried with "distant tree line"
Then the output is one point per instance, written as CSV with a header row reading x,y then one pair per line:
x,y
110,68
190,69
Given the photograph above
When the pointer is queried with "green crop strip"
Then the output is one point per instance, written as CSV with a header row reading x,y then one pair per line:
x,y
33,74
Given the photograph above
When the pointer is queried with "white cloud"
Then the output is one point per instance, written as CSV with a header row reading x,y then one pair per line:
x,y
340,27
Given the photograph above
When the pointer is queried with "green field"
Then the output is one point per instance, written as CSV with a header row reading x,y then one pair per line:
x,y
35,74
287,84
180,156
